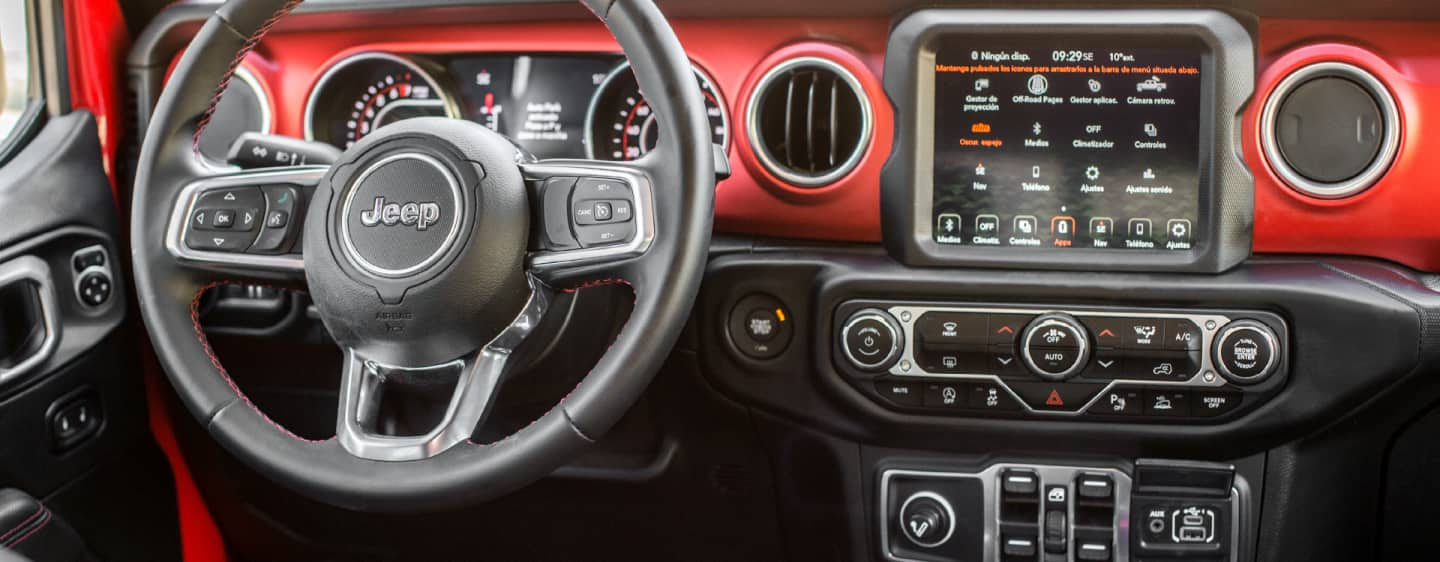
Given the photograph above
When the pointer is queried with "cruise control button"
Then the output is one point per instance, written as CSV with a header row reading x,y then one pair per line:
x,y
989,396
1211,404
620,209
1055,397
902,393
602,234
946,396
1167,403
599,189
1119,402
223,219
1182,335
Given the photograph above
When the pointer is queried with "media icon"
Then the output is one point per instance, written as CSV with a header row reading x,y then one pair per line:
x,y
947,226
1036,128
1038,84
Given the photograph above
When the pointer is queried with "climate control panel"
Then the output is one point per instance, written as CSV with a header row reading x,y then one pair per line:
x,y
1106,363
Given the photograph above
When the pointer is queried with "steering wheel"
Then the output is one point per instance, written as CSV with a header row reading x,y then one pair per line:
x,y
432,249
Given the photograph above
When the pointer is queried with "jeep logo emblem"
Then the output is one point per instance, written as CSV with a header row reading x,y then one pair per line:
x,y
419,215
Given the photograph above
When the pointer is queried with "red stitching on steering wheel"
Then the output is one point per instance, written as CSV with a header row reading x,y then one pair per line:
x,y
245,49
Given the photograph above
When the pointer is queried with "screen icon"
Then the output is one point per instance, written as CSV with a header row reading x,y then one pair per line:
x,y
982,84
1025,225
1038,84
1179,230
1101,227
1140,229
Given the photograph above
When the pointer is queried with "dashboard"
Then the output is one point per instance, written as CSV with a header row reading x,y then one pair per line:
x,y
999,253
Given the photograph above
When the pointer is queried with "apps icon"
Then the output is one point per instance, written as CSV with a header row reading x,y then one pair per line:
x,y
1025,225
1094,86
1062,230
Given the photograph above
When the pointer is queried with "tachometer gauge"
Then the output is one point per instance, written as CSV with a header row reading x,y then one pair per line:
x,y
367,91
621,124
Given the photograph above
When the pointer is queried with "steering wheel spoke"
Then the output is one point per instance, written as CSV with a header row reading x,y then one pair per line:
x,y
244,224
367,384
592,220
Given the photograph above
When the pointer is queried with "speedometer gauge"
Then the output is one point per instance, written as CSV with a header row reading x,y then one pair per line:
x,y
621,124
367,91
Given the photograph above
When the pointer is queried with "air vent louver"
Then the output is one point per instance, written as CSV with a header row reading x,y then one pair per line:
x,y
809,121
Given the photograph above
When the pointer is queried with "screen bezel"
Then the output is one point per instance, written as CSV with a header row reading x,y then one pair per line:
x,y
1226,200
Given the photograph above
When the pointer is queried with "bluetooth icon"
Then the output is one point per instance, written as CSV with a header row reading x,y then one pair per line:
x,y
1036,128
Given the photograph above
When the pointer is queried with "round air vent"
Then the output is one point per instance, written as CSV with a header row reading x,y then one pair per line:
x,y
809,121
1330,129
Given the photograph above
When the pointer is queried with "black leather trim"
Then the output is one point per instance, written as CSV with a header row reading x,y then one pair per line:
x,y
29,529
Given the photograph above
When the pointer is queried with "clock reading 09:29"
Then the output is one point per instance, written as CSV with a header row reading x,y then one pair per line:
x,y
1072,56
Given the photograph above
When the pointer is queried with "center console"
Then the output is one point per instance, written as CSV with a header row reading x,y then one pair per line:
x,y
1065,349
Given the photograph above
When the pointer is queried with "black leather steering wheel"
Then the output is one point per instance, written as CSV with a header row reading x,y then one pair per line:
x,y
443,275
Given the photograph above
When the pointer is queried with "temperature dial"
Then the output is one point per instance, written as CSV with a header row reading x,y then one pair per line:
x,y
1055,347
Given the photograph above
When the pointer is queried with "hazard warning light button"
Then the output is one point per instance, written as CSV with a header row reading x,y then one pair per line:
x,y
1056,397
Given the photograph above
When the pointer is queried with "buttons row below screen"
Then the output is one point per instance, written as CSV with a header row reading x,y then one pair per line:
x,y
1004,360
1121,401
946,330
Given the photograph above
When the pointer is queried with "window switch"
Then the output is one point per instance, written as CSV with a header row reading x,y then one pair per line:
x,y
74,419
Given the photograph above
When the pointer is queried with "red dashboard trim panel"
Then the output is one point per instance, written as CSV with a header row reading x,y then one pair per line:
x,y
96,40
1392,220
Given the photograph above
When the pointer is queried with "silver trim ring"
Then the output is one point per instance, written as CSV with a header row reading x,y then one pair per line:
x,y
1389,148
882,317
456,195
949,518
752,123
312,99
1082,350
266,117
619,69
1270,339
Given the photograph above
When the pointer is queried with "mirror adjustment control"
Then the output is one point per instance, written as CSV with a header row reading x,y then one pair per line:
x,y
871,339
1055,346
1246,352
926,519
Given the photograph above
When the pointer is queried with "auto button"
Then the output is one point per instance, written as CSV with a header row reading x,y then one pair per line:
x,y
1055,347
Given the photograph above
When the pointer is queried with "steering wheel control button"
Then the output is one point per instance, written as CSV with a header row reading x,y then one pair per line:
x,y
219,241
1119,402
1246,352
870,340
926,519
224,219
1055,397
276,232
901,393
1055,347
760,326
600,211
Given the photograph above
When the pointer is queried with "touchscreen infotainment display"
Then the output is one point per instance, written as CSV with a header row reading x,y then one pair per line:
x,y
1067,144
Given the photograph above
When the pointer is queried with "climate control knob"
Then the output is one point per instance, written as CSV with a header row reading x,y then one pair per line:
x,y
871,339
1054,346
1246,352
